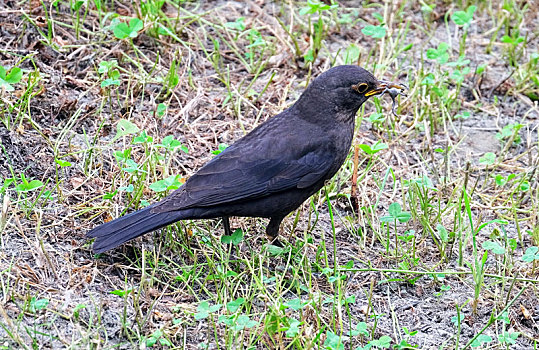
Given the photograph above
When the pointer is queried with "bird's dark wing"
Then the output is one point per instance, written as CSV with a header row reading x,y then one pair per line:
x,y
237,175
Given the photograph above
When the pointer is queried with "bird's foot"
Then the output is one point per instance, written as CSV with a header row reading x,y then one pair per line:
x,y
275,241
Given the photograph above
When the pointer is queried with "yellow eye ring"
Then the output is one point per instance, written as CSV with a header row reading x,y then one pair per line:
x,y
361,87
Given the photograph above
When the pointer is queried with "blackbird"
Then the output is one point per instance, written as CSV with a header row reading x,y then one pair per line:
x,y
269,172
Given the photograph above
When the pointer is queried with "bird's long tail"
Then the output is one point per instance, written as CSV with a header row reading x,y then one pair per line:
x,y
125,228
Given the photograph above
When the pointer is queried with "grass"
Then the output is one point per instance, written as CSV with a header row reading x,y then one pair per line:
x,y
426,238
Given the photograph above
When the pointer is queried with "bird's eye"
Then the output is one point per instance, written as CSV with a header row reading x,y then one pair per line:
x,y
361,87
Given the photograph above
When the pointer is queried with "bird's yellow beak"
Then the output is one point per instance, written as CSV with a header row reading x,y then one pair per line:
x,y
384,86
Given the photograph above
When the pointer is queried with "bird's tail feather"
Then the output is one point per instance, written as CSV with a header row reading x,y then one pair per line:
x,y
125,228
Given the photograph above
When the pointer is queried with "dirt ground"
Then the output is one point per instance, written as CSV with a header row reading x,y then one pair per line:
x,y
220,68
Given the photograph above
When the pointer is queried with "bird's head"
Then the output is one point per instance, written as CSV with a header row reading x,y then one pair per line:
x,y
344,89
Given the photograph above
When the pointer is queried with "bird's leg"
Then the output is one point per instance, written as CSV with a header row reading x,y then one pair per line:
x,y
228,232
272,230
226,225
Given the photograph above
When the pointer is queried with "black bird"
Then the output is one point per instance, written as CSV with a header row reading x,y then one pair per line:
x,y
270,171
